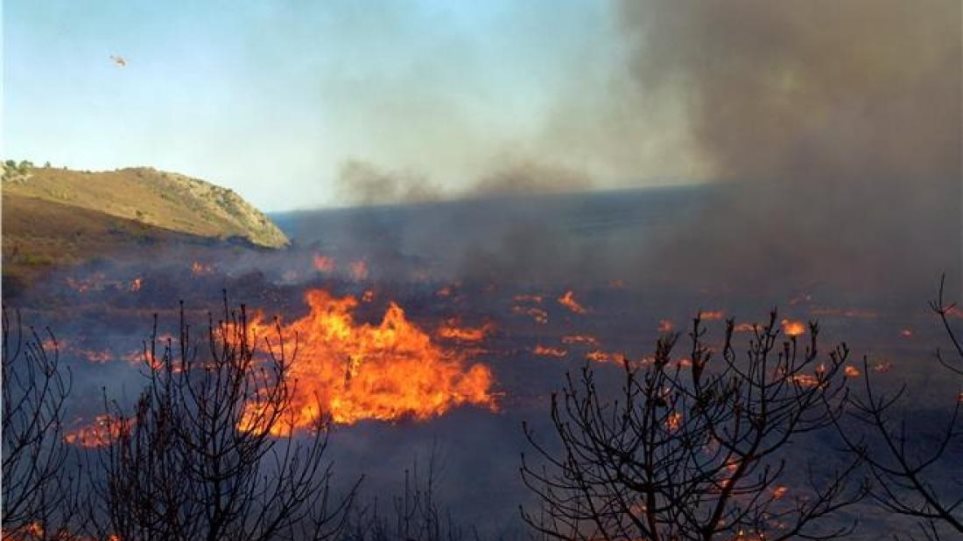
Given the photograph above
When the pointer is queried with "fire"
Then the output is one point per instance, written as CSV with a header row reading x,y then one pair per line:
x,y
712,315
779,491
805,380
358,270
537,314
745,327
851,371
368,295
323,263
136,284
793,328
882,367
94,282
201,269
547,351
451,330
584,339
100,433
673,421
665,326
96,356
387,371
605,357
568,301
35,531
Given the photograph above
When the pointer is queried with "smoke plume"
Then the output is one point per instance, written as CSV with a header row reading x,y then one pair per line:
x,y
841,122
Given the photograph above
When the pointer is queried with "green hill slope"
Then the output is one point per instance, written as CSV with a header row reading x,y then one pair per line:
x,y
156,198
56,217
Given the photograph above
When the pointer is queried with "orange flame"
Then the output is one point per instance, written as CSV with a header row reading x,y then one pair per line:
x,y
388,371
779,491
805,380
451,331
605,357
745,327
712,315
851,371
100,433
201,269
323,263
136,284
568,301
548,351
793,328
537,314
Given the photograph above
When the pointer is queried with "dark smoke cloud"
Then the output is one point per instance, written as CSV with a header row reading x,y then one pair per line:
x,y
831,131
528,177
840,120
778,89
364,183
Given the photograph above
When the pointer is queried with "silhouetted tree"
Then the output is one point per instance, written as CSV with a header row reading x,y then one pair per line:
x,y
209,452
414,514
908,461
697,448
36,479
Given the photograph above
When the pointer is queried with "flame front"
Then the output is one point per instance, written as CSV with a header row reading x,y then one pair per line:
x,y
387,371
101,432
568,301
451,330
793,328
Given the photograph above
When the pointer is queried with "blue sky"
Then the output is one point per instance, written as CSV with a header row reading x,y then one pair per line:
x,y
271,97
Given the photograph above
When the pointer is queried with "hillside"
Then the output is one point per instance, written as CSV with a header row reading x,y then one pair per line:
x,y
56,217
164,200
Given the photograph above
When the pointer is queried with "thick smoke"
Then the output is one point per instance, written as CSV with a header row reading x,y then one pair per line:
x,y
364,183
841,122
830,132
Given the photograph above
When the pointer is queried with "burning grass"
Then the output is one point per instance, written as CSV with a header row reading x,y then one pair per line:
x,y
387,371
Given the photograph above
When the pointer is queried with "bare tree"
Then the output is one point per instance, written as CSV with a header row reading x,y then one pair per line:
x,y
908,462
414,514
694,448
209,452
36,479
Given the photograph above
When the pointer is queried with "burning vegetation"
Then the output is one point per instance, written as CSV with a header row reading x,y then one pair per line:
x,y
568,301
387,371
